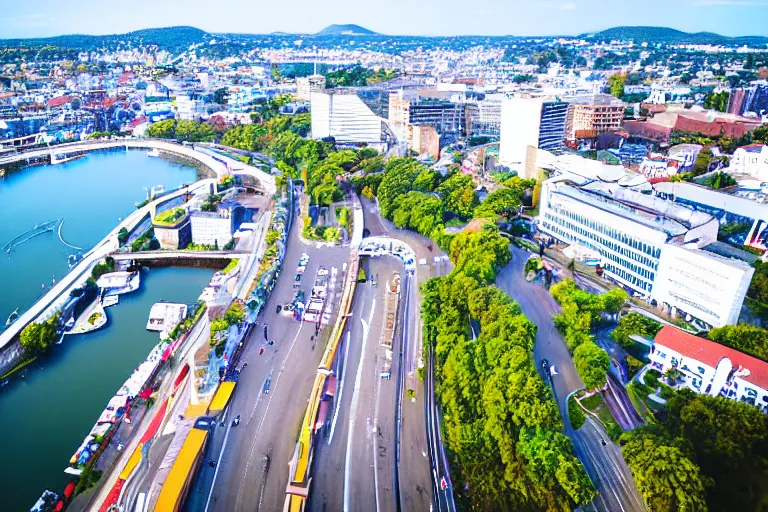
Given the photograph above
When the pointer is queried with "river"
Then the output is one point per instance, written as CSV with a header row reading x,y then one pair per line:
x,y
45,415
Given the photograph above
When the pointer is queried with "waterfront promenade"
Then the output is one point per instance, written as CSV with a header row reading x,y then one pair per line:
x,y
81,271
221,164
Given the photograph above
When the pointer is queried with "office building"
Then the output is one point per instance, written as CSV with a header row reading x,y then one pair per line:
x,y
528,124
589,116
483,119
709,368
654,248
305,86
426,107
341,114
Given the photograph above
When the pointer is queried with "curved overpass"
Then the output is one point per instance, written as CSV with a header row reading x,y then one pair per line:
x,y
222,165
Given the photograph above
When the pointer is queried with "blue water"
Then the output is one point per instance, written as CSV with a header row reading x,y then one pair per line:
x,y
45,416
91,194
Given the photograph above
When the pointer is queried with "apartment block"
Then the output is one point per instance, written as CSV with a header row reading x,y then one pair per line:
x,y
589,116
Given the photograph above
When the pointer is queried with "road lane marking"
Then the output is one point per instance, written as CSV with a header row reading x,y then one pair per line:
x,y
218,462
264,417
353,409
341,391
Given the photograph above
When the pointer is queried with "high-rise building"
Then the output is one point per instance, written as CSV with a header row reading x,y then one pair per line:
x,y
305,86
426,107
537,123
589,116
483,118
341,114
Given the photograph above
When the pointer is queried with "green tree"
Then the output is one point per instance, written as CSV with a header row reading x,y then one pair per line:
x,y
744,338
36,338
634,323
503,202
667,480
235,314
592,363
458,194
616,85
163,129
613,300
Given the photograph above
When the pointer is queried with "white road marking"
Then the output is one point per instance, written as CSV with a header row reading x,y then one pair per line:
x,y
341,391
218,463
269,402
353,408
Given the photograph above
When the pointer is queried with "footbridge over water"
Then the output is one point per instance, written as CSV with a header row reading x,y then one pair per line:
x,y
178,255
221,164
59,293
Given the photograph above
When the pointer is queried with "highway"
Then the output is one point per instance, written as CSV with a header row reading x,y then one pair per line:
x,y
604,464
251,460
355,458
418,481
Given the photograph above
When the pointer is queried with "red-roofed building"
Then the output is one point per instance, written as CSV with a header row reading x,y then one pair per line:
x,y
58,101
710,368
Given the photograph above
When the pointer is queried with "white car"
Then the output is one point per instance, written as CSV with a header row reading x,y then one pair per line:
x,y
423,262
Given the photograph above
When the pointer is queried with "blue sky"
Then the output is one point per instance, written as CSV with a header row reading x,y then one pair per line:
x,y
34,18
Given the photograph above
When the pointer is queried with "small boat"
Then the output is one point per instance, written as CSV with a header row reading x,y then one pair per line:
x,y
12,317
154,152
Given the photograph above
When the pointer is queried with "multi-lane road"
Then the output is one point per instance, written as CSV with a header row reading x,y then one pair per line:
x,y
355,458
246,466
601,458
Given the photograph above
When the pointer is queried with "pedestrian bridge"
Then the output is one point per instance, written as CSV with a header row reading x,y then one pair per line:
x,y
178,255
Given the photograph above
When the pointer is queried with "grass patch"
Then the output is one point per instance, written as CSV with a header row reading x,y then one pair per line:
x,y
638,395
170,217
592,402
230,266
595,404
94,318
576,414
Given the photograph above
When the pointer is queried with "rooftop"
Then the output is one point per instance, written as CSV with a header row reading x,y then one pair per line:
x,y
650,211
710,353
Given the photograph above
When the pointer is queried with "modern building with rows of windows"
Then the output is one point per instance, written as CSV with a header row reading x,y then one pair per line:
x,y
654,248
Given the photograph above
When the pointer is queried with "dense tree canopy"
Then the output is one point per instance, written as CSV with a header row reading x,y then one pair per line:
x,y
581,311
634,323
667,480
501,422
592,363
37,338
744,338
726,440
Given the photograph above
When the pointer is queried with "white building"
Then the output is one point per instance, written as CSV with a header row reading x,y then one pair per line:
x,y
652,247
528,124
520,122
751,160
211,228
341,114
305,86
707,286
710,368
188,109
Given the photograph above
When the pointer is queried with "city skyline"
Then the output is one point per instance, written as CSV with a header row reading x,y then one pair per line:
x,y
429,18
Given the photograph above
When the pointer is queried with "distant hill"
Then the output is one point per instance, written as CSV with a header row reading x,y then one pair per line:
x,y
671,35
168,38
346,30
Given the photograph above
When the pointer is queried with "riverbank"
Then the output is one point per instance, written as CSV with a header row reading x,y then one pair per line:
x,y
65,391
